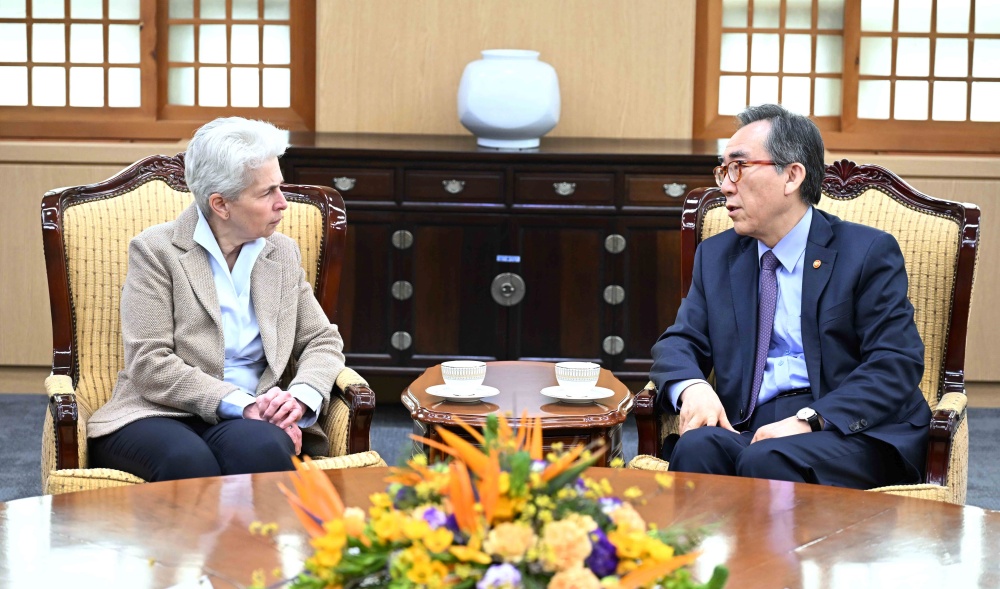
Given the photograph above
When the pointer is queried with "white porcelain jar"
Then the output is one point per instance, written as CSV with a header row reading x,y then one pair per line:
x,y
509,99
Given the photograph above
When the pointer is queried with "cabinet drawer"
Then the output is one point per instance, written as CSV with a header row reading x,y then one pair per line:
x,y
659,190
453,186
352,183
564,188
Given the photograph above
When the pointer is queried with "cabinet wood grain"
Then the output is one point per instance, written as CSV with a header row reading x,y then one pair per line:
x,y
568,251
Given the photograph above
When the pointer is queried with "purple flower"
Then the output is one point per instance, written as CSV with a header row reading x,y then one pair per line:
x,y
435,517
452,524
500,575
609,504
602,560
581,485
538,465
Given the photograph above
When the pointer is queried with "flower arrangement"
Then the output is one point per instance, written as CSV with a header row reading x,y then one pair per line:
x,y
498,516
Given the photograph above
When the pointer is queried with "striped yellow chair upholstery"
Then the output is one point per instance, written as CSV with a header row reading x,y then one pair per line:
x,y
939,240
86,231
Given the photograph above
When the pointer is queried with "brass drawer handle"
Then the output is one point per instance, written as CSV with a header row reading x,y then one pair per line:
x,y
343,183
564,188
675,190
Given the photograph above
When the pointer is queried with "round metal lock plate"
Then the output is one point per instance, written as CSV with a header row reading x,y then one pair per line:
x,y
402,290
402,239
614,294
507,289
401,340
614,243
613,345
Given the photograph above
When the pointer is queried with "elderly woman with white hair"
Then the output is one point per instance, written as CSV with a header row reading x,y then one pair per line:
x,y
214,308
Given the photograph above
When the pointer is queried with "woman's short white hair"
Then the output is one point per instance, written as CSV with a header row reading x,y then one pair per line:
x,y
224,154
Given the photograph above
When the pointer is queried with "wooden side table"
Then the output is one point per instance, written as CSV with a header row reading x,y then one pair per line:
x,y
520,384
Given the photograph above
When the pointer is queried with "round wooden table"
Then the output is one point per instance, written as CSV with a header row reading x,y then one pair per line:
x,y
770,534
520,384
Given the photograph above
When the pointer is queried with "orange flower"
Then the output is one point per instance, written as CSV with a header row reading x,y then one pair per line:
x,y
564,545
575,578
315,500
510,541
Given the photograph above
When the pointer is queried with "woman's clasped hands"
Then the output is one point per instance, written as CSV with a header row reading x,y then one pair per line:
x,y
279,407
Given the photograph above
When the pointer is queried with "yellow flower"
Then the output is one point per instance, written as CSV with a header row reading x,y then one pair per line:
x,y
380,503
415,529
423,570
544,501
507,508
632,493
389,526
665,480
510,541
469,554
628,545
564,545
504,483
584,521
617,462
439,540
330,546
575,578
659,551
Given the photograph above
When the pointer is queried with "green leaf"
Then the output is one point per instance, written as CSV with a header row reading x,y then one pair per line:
x,y
520,469
719,577
569,475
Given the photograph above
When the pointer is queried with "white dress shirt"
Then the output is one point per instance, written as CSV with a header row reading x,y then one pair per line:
x,y
244,362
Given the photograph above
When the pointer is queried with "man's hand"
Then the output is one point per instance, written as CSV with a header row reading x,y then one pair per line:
x,y
700,406
280,407
295,433
789,426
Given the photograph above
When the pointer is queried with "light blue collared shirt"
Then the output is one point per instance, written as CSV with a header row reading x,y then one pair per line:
x,y
786,360
244,362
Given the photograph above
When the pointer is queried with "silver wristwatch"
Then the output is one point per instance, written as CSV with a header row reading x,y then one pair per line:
x,y
809,415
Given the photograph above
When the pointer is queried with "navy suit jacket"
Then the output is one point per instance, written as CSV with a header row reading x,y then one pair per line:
x,y
863,353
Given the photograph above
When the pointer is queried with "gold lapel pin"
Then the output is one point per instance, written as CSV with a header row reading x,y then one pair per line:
x,y
817,264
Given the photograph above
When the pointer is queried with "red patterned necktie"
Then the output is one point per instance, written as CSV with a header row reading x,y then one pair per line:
x,y
765,321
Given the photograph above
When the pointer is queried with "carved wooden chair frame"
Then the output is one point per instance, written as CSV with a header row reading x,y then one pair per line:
x,y
846,180
359,398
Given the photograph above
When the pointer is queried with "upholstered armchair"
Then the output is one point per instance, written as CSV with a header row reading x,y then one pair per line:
x,y
86,231
939,240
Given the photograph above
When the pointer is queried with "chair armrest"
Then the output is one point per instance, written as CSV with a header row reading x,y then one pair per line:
x,y
647,420
360,400
65,416
946,420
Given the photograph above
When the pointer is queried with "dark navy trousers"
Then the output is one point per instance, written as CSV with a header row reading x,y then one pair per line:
x,y
823,457
164,448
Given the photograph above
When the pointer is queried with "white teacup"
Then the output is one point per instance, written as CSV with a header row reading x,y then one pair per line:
x,y
463,376
577,376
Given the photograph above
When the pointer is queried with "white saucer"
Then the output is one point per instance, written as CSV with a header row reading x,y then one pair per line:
x,y
462,395
567,395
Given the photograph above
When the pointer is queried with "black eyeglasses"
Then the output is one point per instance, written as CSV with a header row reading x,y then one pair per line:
x,y
735,169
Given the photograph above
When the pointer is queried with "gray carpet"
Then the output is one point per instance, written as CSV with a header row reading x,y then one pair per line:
x,y
21,425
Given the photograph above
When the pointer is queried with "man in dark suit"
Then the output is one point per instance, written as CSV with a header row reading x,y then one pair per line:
x,y
804,320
